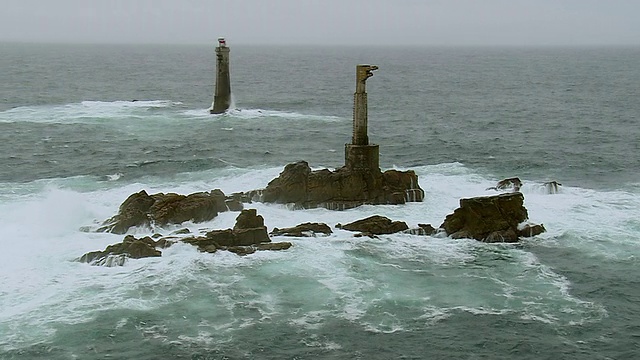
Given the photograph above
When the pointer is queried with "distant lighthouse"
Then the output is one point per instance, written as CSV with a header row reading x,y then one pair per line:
x,y
360,155
222,96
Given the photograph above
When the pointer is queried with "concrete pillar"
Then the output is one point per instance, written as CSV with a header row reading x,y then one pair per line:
x,y
360,155
360,137
222,97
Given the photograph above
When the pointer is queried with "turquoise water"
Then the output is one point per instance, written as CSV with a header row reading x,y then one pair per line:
x,y
74,147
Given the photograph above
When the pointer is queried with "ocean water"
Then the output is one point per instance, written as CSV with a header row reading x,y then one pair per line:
x,y
74,145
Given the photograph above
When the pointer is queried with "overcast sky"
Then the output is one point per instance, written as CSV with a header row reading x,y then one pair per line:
x,y
402,22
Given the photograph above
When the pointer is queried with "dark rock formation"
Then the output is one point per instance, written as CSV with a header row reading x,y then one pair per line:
x,y
376,225
142,209
248,235
302,230
249,219
513,184
489,219
341,189
117,254
422,229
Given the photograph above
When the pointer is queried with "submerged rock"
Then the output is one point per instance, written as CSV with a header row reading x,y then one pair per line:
x,y
552,187
341,189
303,230
142,209
489,218
529,230
511,184
375,225
422,230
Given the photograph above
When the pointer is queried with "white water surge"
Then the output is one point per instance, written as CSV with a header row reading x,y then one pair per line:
x,y
363,280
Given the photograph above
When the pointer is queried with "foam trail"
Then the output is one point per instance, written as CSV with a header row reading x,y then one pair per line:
x,y
84,112
262,114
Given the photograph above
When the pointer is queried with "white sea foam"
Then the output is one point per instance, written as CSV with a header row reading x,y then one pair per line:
x,y
84,112
260,114
361,280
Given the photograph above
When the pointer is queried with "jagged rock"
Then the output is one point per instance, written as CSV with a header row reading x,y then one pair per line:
x,y
489,218
133,212
248,235
142,209
251,236
116,254
302,230
248,230
175,209
376,224
422,229
513,184
248,219
341,189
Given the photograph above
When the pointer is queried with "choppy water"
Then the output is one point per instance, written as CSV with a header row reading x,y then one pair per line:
x,y
74,146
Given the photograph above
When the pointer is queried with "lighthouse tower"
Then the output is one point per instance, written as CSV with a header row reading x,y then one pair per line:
x,y
360,155
222,97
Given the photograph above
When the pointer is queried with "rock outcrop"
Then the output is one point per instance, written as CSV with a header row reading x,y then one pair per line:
x,y
490,219
303,230
375,225
422,230
142,209
117,254
511,184
248,235
341,189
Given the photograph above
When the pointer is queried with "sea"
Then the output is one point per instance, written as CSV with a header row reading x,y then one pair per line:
x,y
84,126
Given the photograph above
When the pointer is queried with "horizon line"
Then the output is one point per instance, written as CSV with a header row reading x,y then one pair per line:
x,y
214,42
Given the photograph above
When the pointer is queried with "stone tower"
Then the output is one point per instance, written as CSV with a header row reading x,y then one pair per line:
x,y
360,155
222,97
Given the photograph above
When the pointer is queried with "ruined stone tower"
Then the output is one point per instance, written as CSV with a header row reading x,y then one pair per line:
x,y
360,155
222,97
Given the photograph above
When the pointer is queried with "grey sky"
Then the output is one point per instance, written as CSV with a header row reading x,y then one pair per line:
x,y
412,22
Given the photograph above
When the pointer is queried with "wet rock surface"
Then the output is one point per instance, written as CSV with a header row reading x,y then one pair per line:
x,y
376,225
422,230
341,189
303,230
490,219
142,209
247,236
117,254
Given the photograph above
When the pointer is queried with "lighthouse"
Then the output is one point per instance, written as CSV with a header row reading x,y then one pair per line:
x,y
222,96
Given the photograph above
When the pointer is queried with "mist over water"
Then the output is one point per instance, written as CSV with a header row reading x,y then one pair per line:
x,y
74,146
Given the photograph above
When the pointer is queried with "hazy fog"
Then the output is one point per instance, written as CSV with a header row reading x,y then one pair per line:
x,y
411,22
